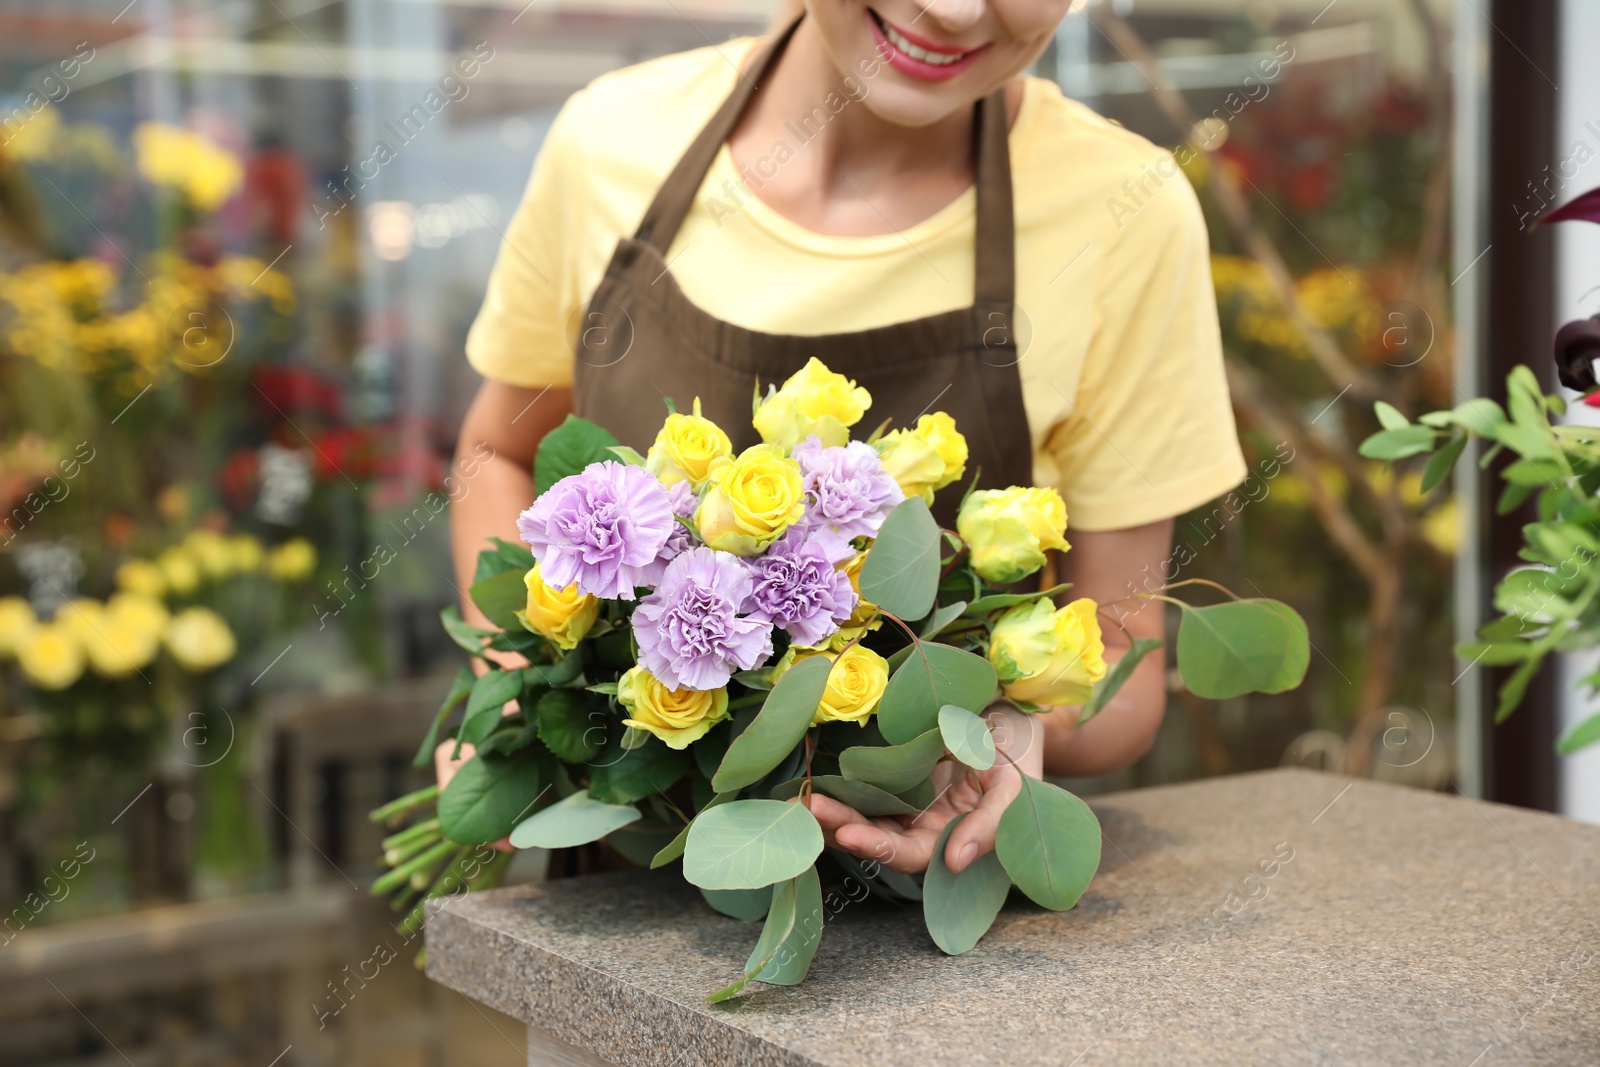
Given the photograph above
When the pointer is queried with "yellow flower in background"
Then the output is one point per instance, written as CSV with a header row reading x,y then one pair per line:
x,y
121,645
82,617
814,400
211,550
202,170
33,140
136,609
1048,655
292,561
180,570
685,449
751,500
1008,531
247,553
855,685
51,657
562,615
925,458
17,621
173,503
679,717
142,577
199,639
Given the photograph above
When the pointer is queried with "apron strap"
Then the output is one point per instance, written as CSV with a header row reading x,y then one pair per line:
x,y
995,252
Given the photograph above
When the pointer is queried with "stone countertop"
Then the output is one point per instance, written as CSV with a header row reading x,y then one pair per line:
x,y
1408,927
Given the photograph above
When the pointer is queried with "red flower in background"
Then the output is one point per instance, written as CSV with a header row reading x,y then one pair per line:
x,y
238,476
288,391
344,453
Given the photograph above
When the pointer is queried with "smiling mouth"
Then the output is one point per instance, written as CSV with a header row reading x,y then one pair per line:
x,y
921,50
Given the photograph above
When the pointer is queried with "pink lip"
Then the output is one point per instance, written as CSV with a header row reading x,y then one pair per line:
x,y
917,68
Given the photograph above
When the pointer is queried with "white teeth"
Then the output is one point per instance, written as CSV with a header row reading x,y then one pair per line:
x,y
936,59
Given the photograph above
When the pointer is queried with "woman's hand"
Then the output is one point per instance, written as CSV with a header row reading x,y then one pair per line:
x,y
905,843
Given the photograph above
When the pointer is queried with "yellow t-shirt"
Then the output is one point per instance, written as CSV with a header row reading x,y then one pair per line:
x,y
1122,368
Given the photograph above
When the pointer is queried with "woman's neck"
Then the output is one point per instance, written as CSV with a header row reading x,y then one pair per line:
x,y
811,149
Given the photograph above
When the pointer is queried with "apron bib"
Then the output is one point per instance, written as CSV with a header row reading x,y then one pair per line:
x,y
649,341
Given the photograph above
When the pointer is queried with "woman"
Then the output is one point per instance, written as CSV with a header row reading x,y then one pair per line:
x,y
881,187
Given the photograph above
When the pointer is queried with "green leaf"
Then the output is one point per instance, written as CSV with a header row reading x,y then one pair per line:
x,y
869,800
1115,678
747,844
489,695
1482,416
774,932
784,960
490,794
500,598
674,848
1559,544
781,723
460,687
568,449
932,676
571,725
941,618
1442,462
986,605
1049,843
577,820
960,908
463,633
895,768
1585,733
1495,653
627,455
901,571
1389,416
966,735
1243,646
1516,687
621,774
1398,444
746,905
922,795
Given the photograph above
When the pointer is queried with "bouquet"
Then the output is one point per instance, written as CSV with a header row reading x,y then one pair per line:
x,y
712,635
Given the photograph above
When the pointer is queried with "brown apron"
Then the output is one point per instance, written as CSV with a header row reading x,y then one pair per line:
x,y
654,343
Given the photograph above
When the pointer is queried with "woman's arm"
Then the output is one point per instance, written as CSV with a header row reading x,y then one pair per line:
x,y
1111,567
498,440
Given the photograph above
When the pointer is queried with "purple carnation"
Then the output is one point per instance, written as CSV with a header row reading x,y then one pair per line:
x,y
797,588
683,501
849,491
601,528
689,630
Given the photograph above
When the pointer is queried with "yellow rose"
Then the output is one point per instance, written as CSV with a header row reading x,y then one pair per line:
x,y
855,685
679,717
199,639
17,621
814,400
141,576
247,553
292,561
751,501
1048,655
51,656
686,448
125,641
211,550
562,615
1008,530
925,458
180,570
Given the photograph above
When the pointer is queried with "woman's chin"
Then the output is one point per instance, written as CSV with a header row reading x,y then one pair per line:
x,y
914,107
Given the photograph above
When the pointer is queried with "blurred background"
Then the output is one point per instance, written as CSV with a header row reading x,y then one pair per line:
x,y
240,247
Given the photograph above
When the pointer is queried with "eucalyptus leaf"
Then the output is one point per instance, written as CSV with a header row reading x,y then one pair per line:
x,y
1116,677
778,728
901,571
960,908
747,844
942,617
569,448
746,905
987,605
893,767
1049,843
576,820
966,735
774,932
787,962
500,598
869,800
932,676
1242,646
674,848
